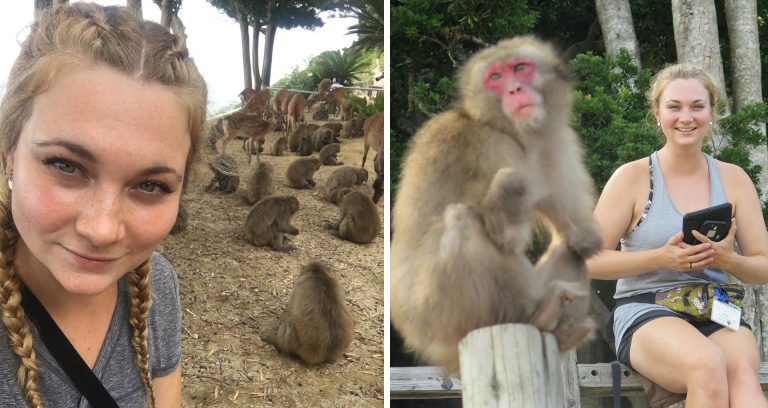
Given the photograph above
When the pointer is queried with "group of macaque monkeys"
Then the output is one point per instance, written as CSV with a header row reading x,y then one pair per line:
x,y
474,181
316,326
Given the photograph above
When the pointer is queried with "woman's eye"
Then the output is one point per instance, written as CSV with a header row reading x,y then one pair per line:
x,y
62,165
154,187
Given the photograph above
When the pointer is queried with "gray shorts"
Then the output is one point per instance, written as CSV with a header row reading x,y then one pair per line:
x,y
626,319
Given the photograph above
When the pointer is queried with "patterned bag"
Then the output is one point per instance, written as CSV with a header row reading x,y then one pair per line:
x,y
696,300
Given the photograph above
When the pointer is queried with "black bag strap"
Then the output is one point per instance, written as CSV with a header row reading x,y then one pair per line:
x,y
616,383
66,355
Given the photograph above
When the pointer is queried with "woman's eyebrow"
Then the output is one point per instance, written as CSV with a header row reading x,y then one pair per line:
x,y
75,148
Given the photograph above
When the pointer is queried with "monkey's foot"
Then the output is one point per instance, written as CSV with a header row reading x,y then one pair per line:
x,y
547,316
569,335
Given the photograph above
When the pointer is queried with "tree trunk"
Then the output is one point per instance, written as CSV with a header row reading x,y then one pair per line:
x,y
696,38
255,54
741,17
135,6
618,30
269,42
166,13
244,39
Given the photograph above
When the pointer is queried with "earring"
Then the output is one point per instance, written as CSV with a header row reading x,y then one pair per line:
x,y
10,182
710,123
658,124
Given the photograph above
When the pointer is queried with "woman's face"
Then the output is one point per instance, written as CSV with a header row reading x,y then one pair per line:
x,y
684,111
97,177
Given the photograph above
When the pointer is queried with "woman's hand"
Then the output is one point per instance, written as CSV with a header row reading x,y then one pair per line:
x,y
723,249
678,255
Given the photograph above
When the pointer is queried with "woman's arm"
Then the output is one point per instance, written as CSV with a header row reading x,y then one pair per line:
x,y
751,266
168,389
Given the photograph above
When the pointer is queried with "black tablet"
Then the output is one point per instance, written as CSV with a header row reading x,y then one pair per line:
x,y
713,223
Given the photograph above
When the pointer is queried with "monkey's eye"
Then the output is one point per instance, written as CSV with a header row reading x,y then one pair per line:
x,y
520,67
495,76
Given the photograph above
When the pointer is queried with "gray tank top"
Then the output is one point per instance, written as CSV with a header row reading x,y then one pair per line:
x,y
659,222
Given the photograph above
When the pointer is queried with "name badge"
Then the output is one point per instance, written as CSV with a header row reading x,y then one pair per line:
x,y
726,314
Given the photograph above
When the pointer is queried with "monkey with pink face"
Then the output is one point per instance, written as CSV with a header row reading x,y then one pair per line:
x,y
473,182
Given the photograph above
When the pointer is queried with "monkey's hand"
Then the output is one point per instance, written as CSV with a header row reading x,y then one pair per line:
x,y
505,210
585,239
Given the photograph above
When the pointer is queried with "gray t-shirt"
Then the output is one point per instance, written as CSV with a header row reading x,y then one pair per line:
x,y
116,363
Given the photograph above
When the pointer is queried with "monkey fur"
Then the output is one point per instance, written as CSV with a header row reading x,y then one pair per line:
x,y
269,220
328,155
300,173
473,181
345,176
225,176
359,219
321,137
279,147
303,129
316,326
260,183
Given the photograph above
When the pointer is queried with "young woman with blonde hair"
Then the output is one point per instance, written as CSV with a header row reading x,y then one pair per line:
x,y
100,122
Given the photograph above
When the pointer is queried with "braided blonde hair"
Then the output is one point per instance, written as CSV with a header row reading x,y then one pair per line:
x,y
85,34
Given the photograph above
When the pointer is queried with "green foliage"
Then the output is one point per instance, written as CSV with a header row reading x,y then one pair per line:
x,y
368,109
434,98
347,66
225,108
370,24
298,79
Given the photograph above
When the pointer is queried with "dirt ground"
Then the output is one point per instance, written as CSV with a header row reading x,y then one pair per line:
x,y
231,289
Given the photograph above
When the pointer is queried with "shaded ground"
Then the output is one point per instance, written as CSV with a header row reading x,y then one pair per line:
x,y
230,290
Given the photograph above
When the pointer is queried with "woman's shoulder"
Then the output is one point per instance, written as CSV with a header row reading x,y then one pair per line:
x,y
631,173
731,173
165,283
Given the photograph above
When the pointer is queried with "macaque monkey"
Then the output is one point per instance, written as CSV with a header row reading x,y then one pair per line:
x,y
301,171
260,183
316,326
279,147
335,97
359,219
373,135
347,108
321,137
346,176
225,175
255,145
304,129
324,85
328,155
472,181
269,220
306,147
336,127
338,194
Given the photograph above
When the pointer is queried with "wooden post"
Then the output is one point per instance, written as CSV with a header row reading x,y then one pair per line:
x,y
511,365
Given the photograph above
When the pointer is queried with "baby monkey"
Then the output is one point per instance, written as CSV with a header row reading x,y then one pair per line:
x,y
474,180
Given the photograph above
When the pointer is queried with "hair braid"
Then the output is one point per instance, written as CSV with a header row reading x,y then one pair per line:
x,y
141,300
12,315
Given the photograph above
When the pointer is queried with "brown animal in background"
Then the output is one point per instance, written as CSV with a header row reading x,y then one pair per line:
x,y
277,108
279,147
255,102
336,127
305,146
225,175
269,220
255,144
328,155
304,129
324,85
316,326
359,219
295,111
300,172
321,137
260,183
472,181
373,135
338,193
248,124
378,187
345,176
335,97
347,108
215,132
